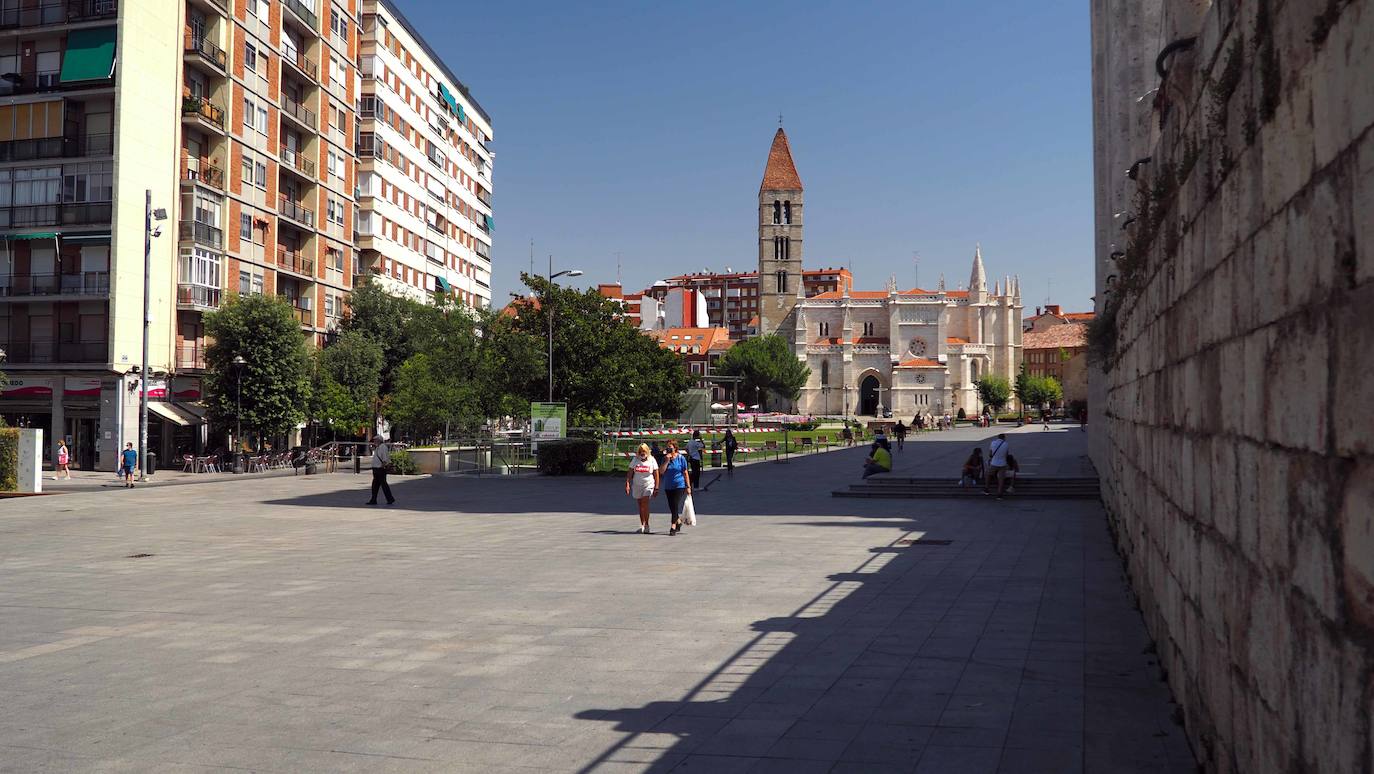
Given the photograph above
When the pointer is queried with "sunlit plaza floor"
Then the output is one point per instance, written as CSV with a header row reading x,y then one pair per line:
x,y
280,624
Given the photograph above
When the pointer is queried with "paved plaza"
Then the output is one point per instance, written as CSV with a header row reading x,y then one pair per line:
x,y
494,625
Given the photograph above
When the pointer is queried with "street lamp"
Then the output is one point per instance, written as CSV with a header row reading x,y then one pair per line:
x,y
239,363
548,299
150,217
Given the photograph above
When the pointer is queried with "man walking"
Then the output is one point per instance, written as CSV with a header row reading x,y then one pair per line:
x,y
997,463
128,463
694,450
381,458
900,432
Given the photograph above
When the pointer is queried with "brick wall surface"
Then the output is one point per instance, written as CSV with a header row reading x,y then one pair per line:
x,y
1239,458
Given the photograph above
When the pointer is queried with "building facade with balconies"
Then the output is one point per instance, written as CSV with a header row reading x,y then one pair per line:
x,y
78,82
425,168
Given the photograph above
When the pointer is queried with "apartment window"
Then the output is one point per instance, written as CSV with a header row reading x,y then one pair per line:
x,y
363,224
201,267
207,210
254,115
254,171
250,57
259,8
334,259
334,211
87,183
337,117
335,164
338,23
245,227
338,73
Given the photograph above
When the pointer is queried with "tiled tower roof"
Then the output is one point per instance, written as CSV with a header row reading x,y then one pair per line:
x,y
781,172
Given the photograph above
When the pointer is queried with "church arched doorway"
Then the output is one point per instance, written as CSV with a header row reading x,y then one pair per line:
x,y
869,395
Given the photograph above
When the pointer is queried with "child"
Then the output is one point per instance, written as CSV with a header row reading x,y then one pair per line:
x,y
973,469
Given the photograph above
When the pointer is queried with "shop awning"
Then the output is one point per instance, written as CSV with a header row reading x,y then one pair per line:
x,y
196,410
443,284
173,413
22,237
90,55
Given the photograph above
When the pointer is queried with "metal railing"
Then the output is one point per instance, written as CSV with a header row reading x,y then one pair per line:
x,y
95,351
307,68
90,283
297,160
41,80
201,171
41,14
203,108
202,233
303,316
295,261
190,294
295,211
63,214
298,111
190,355
207,50
57,147
305,14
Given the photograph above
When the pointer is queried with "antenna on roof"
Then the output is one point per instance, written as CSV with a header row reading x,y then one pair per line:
x,y
779,120
916,266
617,267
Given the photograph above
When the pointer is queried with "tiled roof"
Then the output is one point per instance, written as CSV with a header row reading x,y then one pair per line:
x,y
955,340
957,293
1068,335
920,362
702,339
1079,316
781,172
833,294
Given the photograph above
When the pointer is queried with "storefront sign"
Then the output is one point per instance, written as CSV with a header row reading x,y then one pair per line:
x,y
81,388
157,389
25,387
184,388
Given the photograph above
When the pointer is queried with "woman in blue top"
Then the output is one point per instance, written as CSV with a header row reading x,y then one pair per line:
x,y
677,485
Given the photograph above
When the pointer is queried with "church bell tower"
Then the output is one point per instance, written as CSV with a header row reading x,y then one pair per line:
x,y
780,239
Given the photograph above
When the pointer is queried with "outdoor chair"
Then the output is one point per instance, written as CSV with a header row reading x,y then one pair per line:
x,y
823,440
808,443
772,446
188,463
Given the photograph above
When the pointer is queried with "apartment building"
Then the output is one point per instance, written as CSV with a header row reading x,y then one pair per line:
x,y
425,168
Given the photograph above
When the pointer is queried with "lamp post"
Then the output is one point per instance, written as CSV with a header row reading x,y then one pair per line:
x,y
149,231
548,298
239,363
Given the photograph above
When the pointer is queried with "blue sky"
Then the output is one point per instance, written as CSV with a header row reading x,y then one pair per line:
x,y
642,129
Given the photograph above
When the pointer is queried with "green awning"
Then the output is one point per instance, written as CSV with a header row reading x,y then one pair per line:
x,y
443,284
487,219
22,237
447,97
462,117
90,55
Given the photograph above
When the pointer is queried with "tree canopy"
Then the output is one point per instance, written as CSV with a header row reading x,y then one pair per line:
x,y
264,331
346,382
767,365
994,391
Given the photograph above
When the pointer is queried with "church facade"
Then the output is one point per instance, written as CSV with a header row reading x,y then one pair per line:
x,y
911,351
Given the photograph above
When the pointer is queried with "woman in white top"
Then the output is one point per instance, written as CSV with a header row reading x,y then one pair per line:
x,y
641,482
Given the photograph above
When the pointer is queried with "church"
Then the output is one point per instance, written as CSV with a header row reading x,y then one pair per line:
x,y
909,351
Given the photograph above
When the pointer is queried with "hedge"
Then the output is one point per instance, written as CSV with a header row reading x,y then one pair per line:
x,y
9,459
402,464
567,456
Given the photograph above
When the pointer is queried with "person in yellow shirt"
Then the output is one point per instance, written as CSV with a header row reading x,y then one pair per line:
x,y
879,460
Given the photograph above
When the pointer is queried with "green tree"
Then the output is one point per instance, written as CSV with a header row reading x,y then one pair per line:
x,y
994,391
275,376
347,381
1041,391
387,321
605,368
767,365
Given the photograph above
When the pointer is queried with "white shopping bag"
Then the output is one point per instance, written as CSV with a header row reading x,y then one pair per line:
x,y
689,512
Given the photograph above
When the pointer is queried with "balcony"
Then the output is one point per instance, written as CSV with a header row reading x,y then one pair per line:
x,y
202,234
207,52
203,172
64,214
303,66
296,161
299,112
192,296
190,356
295,211
95,351
295,262
57,147
64,12
307,16
203,110
91,283
303,315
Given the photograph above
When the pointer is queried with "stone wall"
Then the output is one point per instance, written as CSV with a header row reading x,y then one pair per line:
x,y
1235,409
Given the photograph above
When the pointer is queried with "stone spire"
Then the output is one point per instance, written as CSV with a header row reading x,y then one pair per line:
x,y
941,288
978,279
781,173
